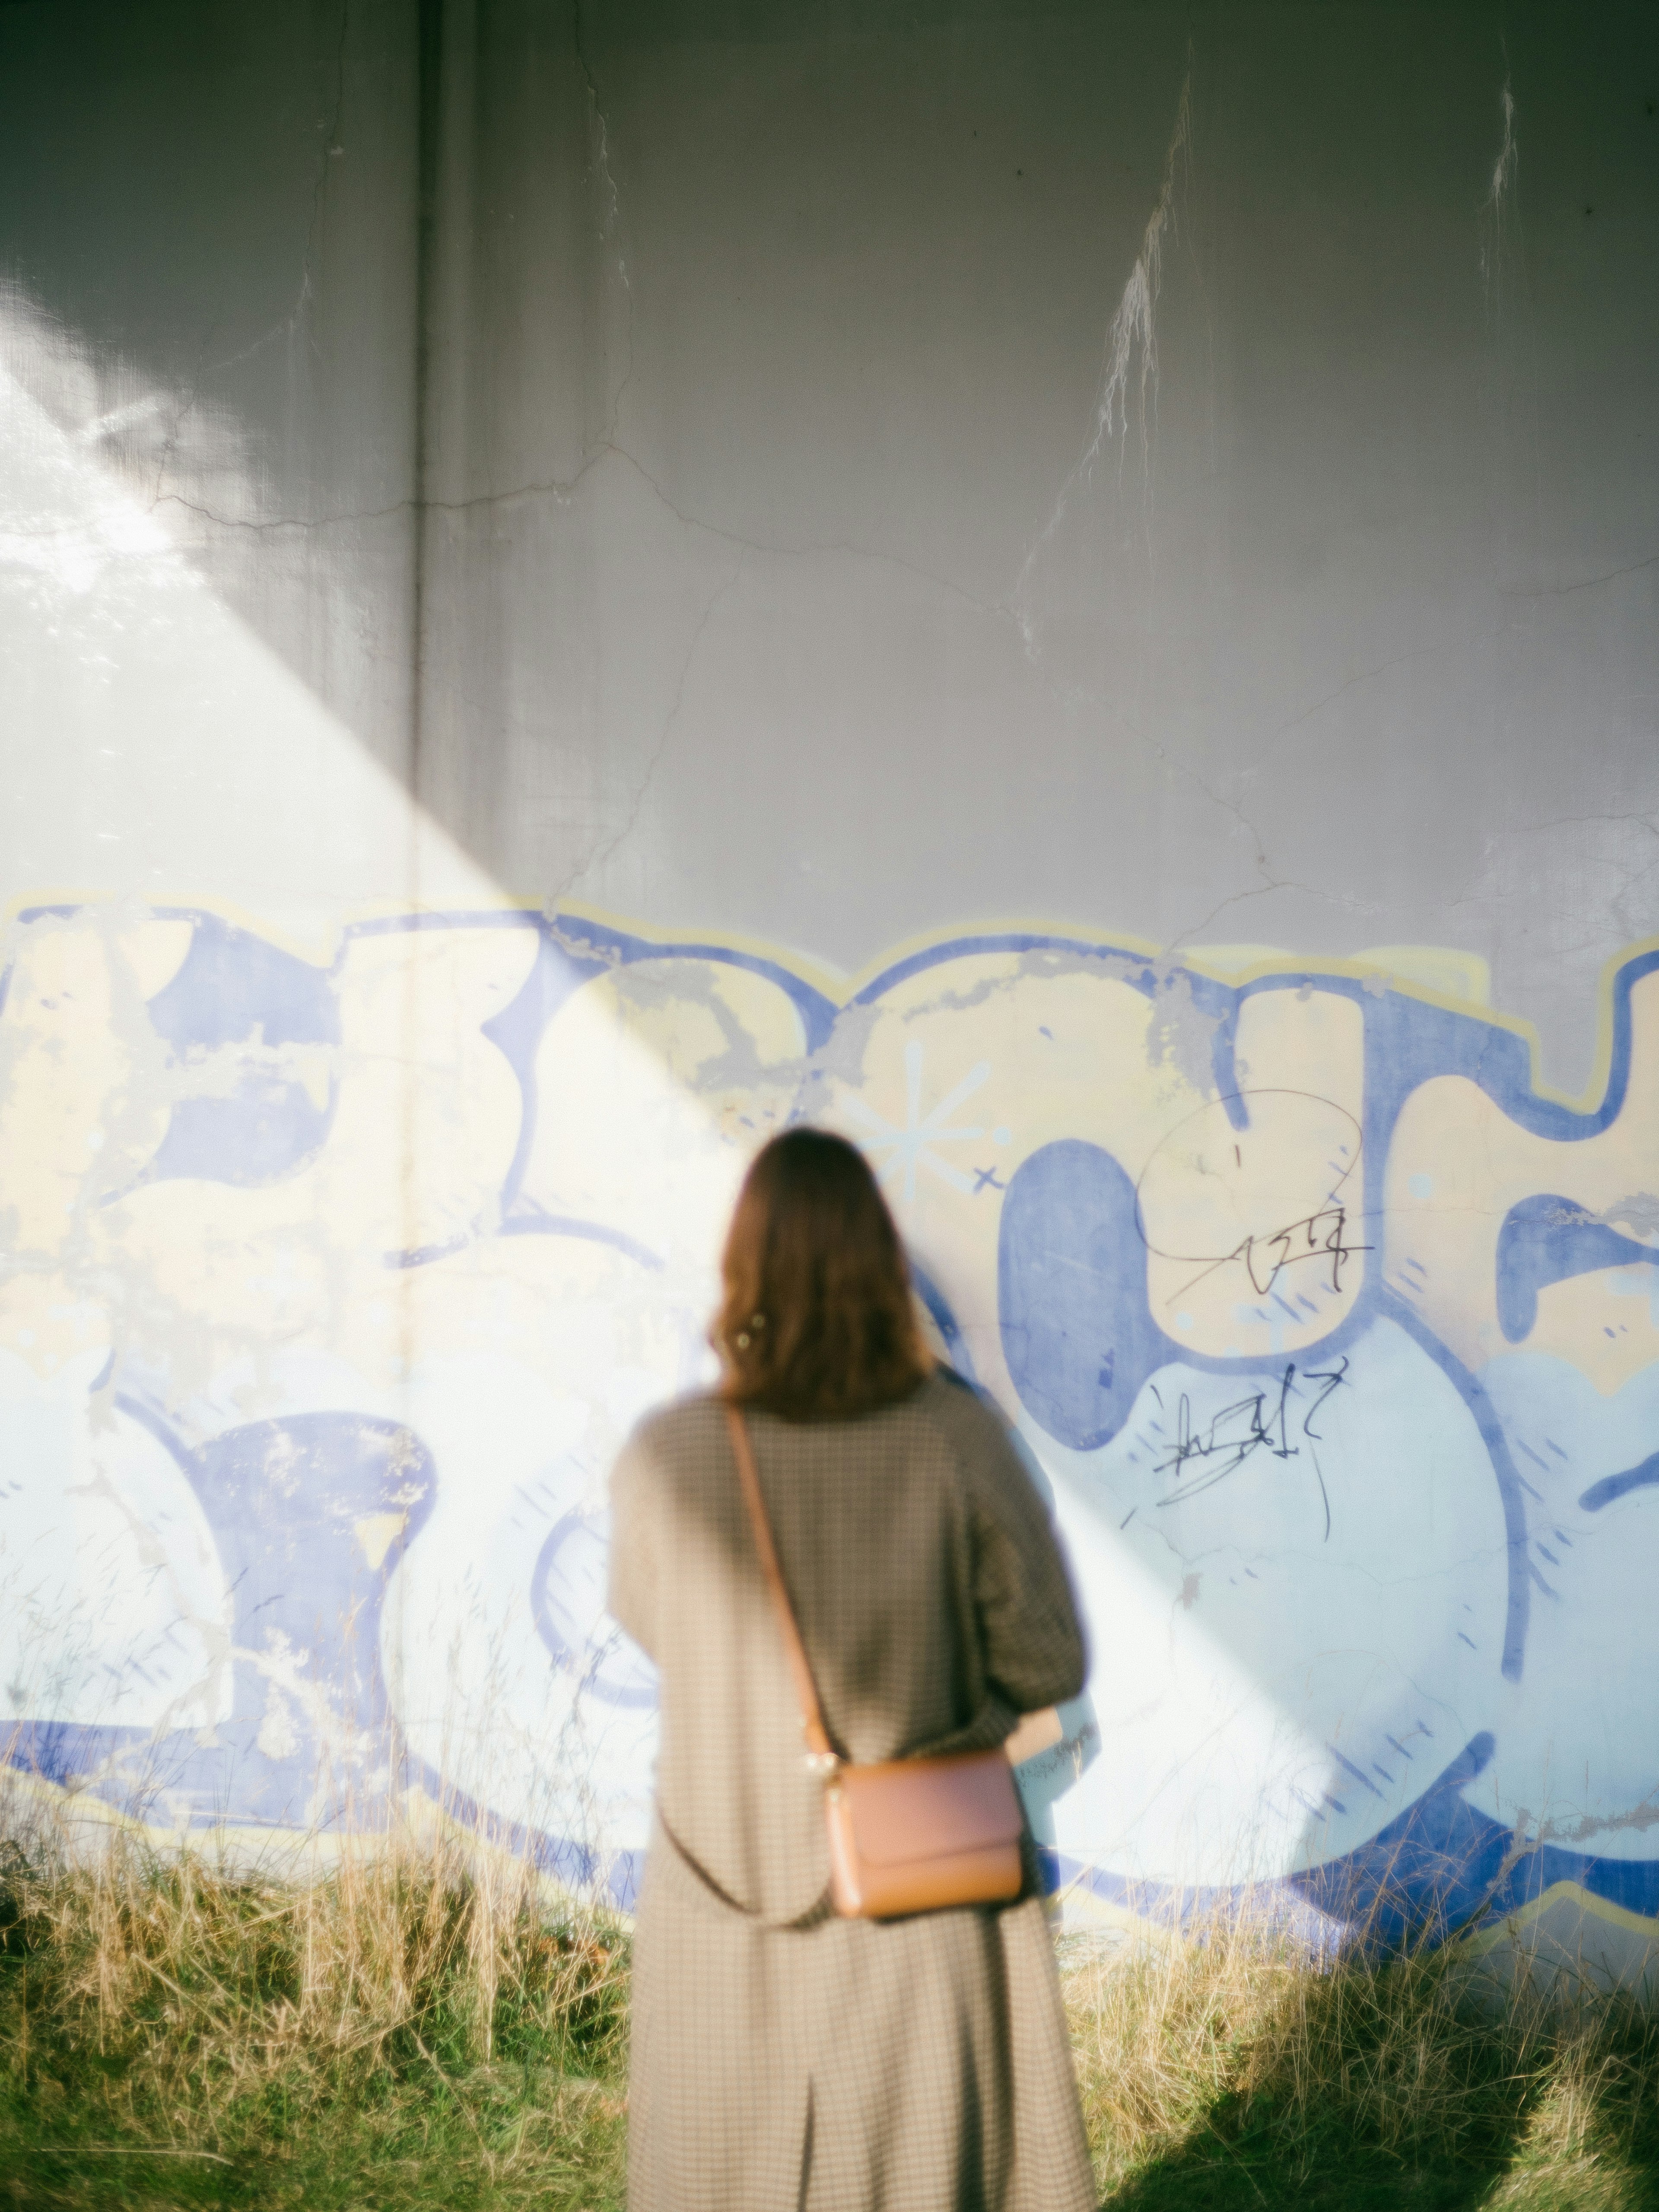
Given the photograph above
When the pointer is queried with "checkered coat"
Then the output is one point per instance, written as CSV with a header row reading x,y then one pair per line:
x,y
783,2058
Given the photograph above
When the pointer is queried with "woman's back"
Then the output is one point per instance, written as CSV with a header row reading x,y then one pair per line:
x,y
926,1582
782,2058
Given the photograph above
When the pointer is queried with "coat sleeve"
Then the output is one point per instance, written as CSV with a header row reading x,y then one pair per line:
x,y
635,1542
1030,1636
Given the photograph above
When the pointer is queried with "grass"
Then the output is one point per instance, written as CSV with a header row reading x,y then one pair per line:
x,y
424,2029
1230,2074
413,2029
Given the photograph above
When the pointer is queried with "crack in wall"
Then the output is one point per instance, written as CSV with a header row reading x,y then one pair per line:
x,y
562,490
599,135
183,411
1195,934
1131,353
332,149
1495,209
1585,583
1635,820
1350,683
606,847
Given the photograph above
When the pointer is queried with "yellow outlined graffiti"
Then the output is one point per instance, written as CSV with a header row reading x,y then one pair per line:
x,y
348,1273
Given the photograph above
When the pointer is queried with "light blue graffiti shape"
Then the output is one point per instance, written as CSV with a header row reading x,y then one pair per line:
x,y
914,1145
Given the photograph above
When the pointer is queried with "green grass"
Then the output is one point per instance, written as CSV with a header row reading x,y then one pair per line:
x,y
427,2029
405,2032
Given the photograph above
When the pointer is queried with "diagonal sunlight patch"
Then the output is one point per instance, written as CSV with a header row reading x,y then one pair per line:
x,y
317,1342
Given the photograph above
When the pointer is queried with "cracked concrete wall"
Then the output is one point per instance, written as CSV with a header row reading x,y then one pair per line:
x,y
1145,464
835,520
815,477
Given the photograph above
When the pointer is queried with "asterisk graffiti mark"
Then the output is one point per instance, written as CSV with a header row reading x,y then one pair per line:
x,y
913,1146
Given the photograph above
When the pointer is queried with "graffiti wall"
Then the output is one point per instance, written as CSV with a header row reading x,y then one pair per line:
x,y
784,485
334,1287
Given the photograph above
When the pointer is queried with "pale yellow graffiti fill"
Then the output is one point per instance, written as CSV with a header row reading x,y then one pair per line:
x,y
1457,1164
654,1084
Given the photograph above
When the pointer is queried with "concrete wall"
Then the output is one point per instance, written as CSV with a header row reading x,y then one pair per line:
x,y
1070,590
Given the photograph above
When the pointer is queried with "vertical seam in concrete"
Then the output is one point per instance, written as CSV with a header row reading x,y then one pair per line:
x,y
429,119
429,58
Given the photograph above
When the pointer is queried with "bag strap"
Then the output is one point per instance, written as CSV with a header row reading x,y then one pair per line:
x,y
821,1753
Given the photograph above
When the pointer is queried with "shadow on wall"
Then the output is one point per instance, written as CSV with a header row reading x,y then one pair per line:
x,y
339,1286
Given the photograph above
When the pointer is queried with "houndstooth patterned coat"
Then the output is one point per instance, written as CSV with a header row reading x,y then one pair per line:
x,y
783,2058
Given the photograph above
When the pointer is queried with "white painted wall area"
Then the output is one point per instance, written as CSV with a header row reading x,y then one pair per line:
x,y
1070,593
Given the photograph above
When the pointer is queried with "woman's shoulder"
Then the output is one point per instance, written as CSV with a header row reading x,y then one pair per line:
x,y
688,1427
952,1404
994,1464
685,1425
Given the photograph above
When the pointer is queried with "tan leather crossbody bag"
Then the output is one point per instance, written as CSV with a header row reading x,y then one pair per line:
x,y
906,1835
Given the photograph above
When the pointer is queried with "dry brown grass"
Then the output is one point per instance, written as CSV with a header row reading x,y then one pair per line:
x,y
1228,2069
423,2026
415,2026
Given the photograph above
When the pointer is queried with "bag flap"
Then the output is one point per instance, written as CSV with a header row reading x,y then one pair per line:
x,y
920,1809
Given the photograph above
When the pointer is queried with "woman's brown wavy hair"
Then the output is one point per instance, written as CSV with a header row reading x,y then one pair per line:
x,y
817,1323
